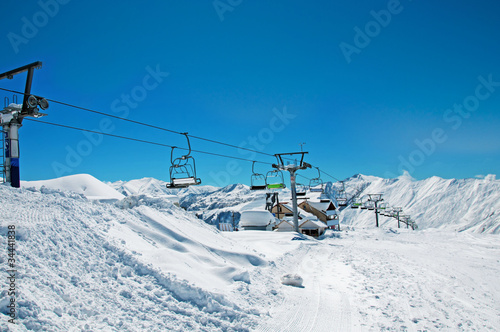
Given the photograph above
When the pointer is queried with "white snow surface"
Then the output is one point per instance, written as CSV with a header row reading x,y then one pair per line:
x,y
96,265
84,184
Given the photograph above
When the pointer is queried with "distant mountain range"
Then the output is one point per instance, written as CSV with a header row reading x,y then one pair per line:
x,y
471,205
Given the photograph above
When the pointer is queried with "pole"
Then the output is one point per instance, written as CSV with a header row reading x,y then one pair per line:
x,y
11,166
292,168
27,91
12,154
376,214
294,201
399,225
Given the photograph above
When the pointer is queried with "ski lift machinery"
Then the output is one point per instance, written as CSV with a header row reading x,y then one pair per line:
x,y
183,169
257,180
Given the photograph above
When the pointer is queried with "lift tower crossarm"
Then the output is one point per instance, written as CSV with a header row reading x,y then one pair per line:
x,y
10,74
27,90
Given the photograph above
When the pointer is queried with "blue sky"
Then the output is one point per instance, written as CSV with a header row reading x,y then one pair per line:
x,y
372,87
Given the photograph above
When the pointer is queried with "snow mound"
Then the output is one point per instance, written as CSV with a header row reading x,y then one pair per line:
x,y
84,184
292,280
91,265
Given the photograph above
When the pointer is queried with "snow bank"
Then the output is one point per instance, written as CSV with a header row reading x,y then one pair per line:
x,y
88,265
81,183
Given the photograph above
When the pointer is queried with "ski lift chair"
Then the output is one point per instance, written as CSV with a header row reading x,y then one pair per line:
x,y
275,180
356,204
342,201
315,182
301,190
257,180
182,170
341,196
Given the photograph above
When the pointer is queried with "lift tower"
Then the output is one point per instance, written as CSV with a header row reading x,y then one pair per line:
x,y
375,198
292,168
12,118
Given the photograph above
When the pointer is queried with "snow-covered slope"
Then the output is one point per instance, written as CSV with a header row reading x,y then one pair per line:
x,y
90,265
84,184
93,265
464,205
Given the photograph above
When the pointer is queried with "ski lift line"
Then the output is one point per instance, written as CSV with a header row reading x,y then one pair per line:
x,y
305,177
165,129
144,141
144,124
333,177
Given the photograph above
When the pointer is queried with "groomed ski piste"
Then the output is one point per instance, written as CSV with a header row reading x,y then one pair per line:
x,y
94,256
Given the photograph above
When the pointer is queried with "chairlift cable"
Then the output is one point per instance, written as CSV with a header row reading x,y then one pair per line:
x,y
144,124
155,127
144,141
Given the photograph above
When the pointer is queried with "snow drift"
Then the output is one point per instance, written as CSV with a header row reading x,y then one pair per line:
x,y
93,265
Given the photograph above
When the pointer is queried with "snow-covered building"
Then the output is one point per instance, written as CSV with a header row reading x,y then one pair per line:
x,y
283,210
256,220
312,227
323,210
285,225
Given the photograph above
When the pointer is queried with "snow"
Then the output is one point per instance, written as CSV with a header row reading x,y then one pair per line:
x,y
470,205
256,218
292,280
141,263
84,184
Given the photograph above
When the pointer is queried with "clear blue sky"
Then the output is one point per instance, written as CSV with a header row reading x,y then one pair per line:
x,y
371,85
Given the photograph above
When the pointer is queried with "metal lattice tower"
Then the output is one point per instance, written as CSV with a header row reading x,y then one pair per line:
x,y
375,198
397,211
292,168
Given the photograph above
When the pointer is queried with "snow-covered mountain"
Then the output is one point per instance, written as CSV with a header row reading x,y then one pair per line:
x,y
464,205
155,188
